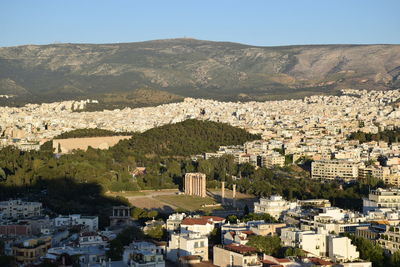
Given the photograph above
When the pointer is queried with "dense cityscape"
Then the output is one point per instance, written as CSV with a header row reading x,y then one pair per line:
x,y
325,135
199,133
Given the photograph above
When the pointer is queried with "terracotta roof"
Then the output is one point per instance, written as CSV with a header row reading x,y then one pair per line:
x,y
202,220
214,218
89,234
319,261
193,221
240,248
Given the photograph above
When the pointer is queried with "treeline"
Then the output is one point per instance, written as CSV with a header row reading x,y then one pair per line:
x,y
95,132
75,183
186,138
389,136
374,253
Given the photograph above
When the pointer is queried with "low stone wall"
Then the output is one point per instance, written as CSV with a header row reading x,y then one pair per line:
x,y
66,146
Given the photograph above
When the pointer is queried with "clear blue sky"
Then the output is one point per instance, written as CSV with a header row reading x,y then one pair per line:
x,y
267,23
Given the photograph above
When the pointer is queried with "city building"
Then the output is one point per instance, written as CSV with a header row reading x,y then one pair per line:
x,y
18,209
274,206
174,221
143,254
30,250
272,159
16,229
89,222
202,225
334,169
195,184
87,239
236,255
340,249
390,239
86,256
382,198
187,244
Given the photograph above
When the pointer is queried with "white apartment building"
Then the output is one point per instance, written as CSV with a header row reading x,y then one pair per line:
x,y
143,254
310,241
88,256
91,222
382,198
320,244
174,221
18,209
187,244
333,169
202,225
275,206
341,250
87,239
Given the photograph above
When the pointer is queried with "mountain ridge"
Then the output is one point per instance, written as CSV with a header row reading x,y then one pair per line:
x,y
195,68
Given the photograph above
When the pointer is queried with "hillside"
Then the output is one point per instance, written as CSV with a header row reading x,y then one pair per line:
x,y
185,138
188,67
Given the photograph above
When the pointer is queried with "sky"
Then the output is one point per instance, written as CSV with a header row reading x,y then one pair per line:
x,y
254,22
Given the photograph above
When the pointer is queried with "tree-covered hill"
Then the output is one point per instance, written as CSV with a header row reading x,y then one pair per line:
x,y
186,138
39,173
75,183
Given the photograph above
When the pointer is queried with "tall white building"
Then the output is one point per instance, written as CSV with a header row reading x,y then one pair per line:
x,y
341,250
187,244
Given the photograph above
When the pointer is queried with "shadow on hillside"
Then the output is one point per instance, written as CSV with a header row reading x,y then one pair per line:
x,y
65,196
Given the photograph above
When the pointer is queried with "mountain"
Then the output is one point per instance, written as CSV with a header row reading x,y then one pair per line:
x,y
195,68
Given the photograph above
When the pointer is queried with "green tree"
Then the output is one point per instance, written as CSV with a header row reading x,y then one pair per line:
x,y
232,219
269,245
156,232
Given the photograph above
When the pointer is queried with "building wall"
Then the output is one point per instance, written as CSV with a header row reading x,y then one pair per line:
x,y
314,243
68,145
331,169
225,258
31,250
15,230
341,249
20,209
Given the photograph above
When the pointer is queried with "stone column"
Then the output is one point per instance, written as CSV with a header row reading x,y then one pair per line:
x,y
223,193
234,195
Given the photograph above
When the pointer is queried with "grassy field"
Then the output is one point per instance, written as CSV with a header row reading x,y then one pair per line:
x,y
190,203
126,194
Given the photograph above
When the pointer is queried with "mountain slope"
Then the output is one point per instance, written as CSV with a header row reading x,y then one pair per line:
x,y
189,67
